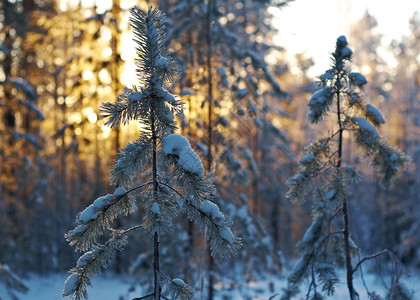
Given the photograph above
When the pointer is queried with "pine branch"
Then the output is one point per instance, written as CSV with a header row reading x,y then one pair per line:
x,y
98,216
90,264
132,161
207,217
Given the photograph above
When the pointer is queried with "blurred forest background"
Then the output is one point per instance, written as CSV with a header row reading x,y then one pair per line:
x,y
61,59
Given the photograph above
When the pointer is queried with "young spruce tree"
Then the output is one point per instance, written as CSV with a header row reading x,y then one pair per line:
x,y
176,175
326,177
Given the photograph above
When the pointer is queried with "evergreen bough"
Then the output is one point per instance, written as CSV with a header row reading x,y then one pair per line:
x,y
326,178
176,181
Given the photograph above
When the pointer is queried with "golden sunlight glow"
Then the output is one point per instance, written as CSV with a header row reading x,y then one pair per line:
x,y
104,76
87,75
106,34
106,131
90,114
107,52
70,101
366,69
329,19
92,118
75,117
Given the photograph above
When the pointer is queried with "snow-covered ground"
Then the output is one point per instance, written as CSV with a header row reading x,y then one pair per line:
x,y
112,287
107,286
260,290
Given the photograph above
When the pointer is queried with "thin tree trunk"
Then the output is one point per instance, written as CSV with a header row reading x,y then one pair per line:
x,y
346,231
156,267
115,66
210,135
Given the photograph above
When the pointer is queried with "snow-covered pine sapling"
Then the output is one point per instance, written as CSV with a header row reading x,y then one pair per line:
x,y
326,177
179,186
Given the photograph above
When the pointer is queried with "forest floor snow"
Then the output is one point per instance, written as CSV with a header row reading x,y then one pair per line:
x,y
113,287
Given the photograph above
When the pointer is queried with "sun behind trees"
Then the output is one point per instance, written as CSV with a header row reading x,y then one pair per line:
x,y
327,179
176,181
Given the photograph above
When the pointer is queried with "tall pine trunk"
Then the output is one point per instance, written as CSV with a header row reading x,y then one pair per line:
x,y
346,231
210,136
156,267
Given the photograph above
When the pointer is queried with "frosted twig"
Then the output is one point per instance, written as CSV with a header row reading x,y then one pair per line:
x,y
386,251
144,297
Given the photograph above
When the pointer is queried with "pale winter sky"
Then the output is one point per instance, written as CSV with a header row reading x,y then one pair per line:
x,y
312,26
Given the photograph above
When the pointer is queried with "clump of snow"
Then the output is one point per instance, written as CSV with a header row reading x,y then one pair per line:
x,y
165,95
375,114
190,161
155,209
120,191
248,153
177,144
346,53
341,41
358,79
168,97
221,71
354,99
102,202
208,207
223,121
308,158
223,75
79,229
328,75
89,214
393,157
84,259
227,234
367,127
135,96
321,97
330,194
161,62
71,284
186,92
312,233
179,282
211,209
174,143
299,176
242,93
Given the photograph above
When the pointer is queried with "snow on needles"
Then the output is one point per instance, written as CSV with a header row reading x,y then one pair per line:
x,y
85,258
120,191
179,282
357,79
367,127
155,209
102,202
211,209
321,96
71,284
374,113
135,96
177,144
227,234
88,214
93,211
174,143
